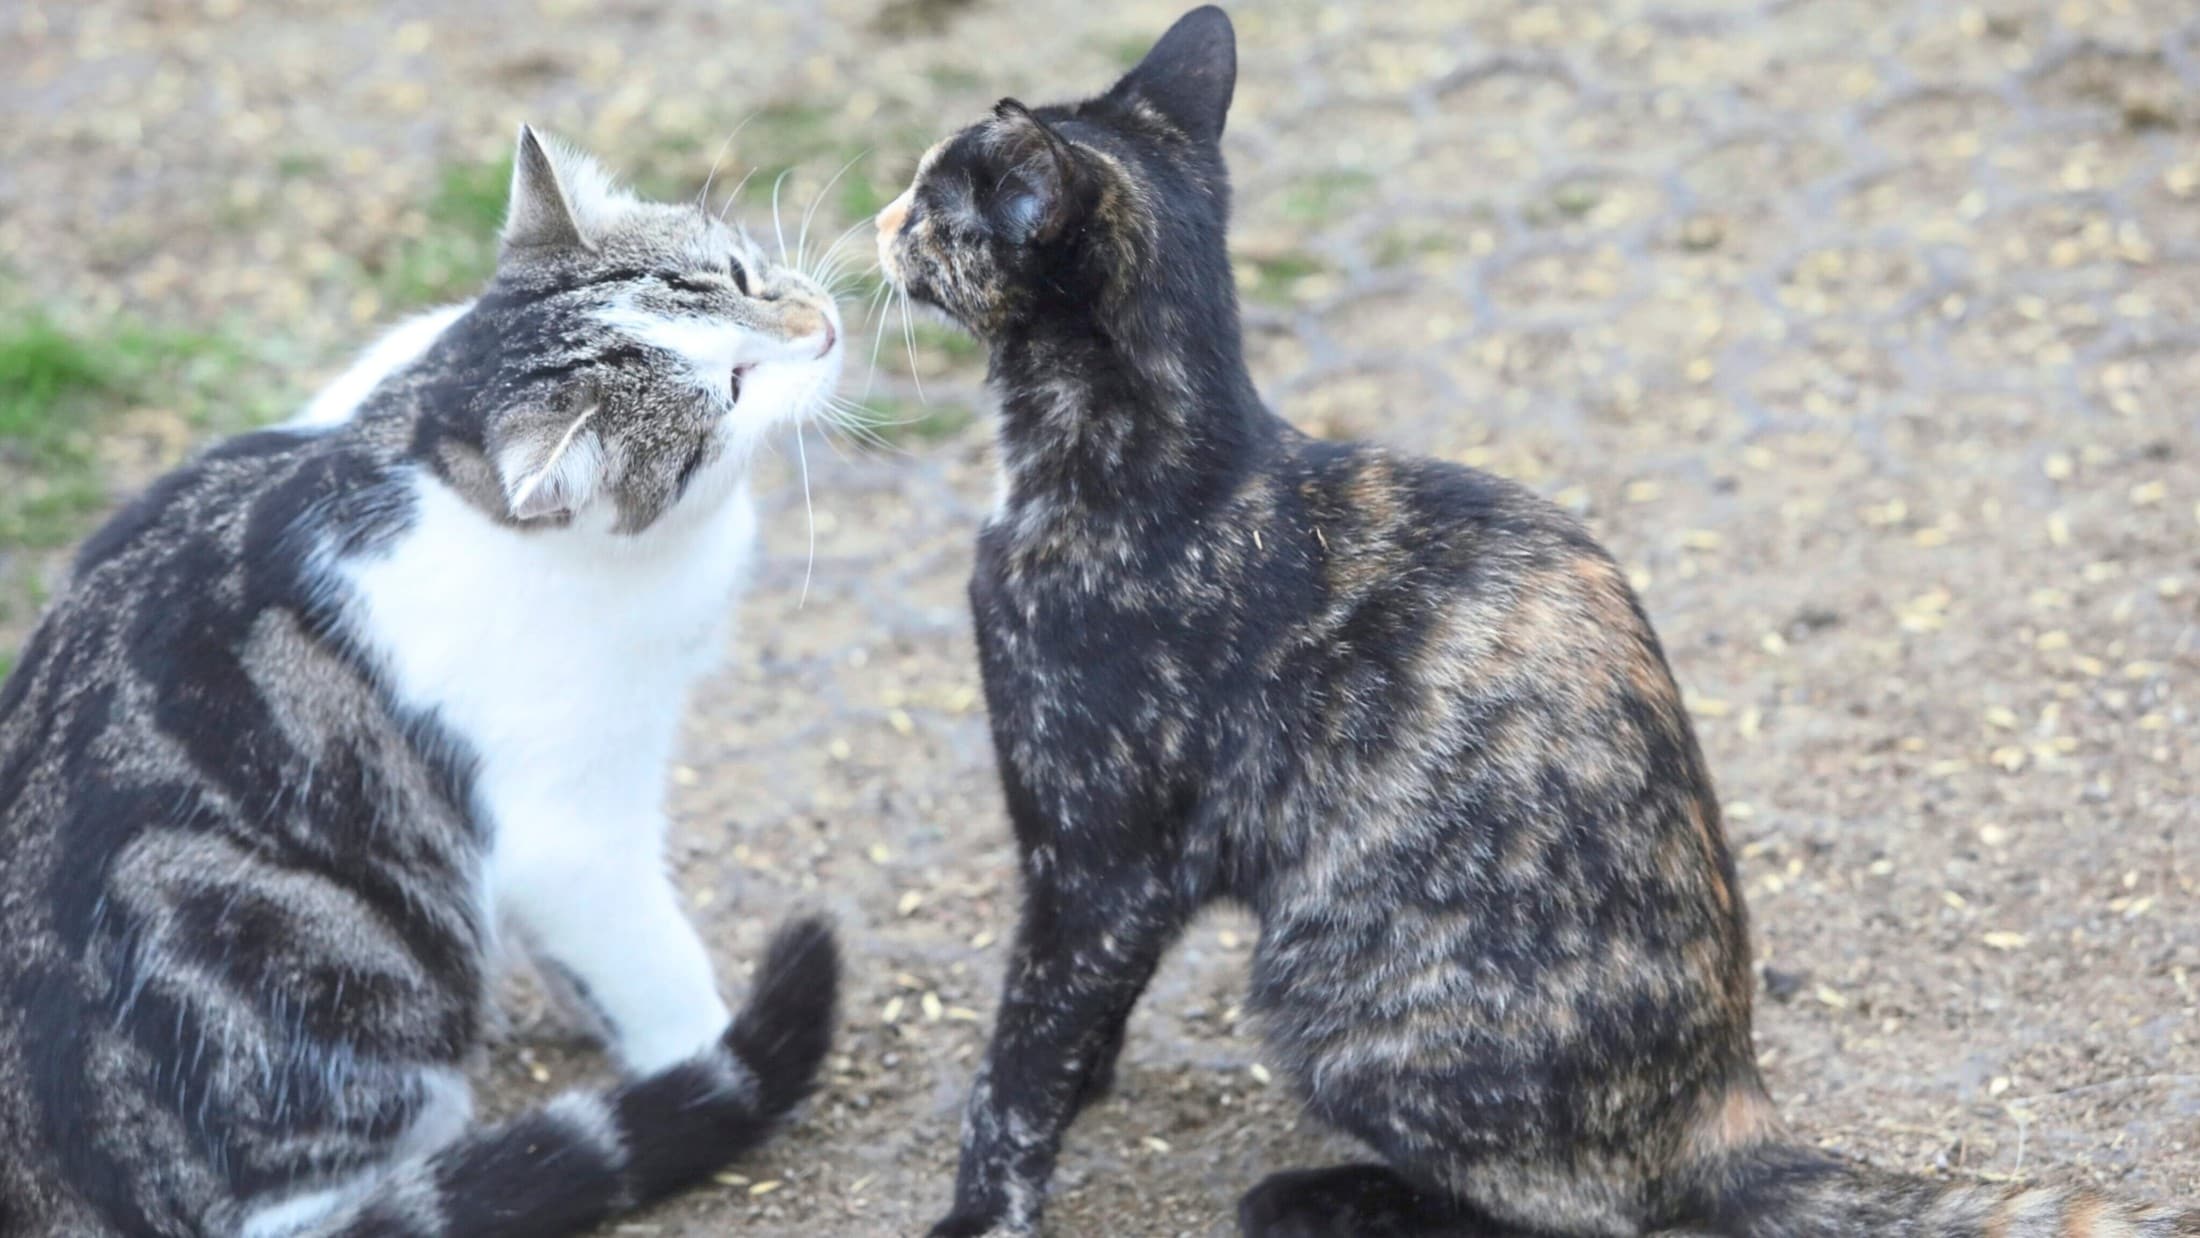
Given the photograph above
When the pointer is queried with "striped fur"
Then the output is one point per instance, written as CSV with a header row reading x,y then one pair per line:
x,y
586,1157
339,713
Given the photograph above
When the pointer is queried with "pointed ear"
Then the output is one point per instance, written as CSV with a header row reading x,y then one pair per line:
x,y
540,214
1032,201
549,466
1190,74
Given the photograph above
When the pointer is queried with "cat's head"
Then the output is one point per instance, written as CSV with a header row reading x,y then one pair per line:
x,y
626,358
1077,208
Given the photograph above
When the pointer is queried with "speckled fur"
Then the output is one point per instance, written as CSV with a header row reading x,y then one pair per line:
x,y
248,924
1409,713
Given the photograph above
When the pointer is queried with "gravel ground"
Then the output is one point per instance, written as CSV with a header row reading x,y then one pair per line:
x,y
1867,334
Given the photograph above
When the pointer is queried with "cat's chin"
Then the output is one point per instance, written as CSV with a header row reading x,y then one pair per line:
x,y
783,395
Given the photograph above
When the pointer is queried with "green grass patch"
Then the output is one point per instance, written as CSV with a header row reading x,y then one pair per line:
x,y
917,17
1326,195
1128,49
862,197
1574,199
59,385
1276,279
41,366
458,251
805,144
922,347
905,425
958,345
291,165
668,165
788,133
472,195
952,78
53,384
1399,246
64,386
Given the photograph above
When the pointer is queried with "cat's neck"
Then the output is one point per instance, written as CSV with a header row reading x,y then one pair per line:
x,y
425,414
1107,421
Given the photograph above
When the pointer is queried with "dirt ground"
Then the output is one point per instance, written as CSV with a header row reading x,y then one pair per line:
x,y
1867,334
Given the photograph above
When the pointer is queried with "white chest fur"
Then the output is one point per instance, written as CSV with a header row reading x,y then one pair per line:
x,y
564,658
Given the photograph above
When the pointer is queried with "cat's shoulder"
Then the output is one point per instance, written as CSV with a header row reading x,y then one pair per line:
x,y
262,493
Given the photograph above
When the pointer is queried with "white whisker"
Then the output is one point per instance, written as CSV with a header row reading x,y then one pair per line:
x,y
776,230
702,198
848,422
877,327
828,263
802,238
871,418
735,195
909,337
810,564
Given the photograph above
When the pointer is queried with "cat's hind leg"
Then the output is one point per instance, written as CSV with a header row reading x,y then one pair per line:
x,y
1354,1201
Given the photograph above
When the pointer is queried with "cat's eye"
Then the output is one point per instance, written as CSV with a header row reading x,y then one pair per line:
x,y
738,274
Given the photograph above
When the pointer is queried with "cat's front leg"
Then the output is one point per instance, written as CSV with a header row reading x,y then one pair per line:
x,y
608,925
1087,946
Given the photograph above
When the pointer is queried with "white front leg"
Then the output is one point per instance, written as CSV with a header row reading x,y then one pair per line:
x,y
611,927
562,659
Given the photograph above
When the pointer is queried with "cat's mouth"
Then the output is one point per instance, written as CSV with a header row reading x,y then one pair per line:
x,y
796,352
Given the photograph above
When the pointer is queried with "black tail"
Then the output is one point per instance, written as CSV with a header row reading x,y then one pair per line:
x,y
1790,1192
586,1156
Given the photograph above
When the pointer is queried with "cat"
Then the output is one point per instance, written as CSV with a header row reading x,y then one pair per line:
x,y
1409,713
336,708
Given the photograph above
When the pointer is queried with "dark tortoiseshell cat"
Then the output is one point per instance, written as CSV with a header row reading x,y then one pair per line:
x,y
1408,712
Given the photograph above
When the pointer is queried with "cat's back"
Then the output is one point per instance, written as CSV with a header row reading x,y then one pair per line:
x,y
1405,554
133,684
170,670
1436,511
160,577
170,576
1445,600
179,716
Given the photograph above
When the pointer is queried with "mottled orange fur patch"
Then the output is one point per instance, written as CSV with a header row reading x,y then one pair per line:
x,y
1734,1119
896,214
2082,1219
1707,836
1612,602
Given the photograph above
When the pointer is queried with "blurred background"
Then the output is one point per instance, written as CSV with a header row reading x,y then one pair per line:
x,y
1867,333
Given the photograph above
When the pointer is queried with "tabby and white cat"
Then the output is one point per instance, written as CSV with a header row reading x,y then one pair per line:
x,y
329,705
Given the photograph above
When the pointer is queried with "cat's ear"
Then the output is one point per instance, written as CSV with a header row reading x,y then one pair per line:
x,y
549,464
1031,201
1190,74
542,213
